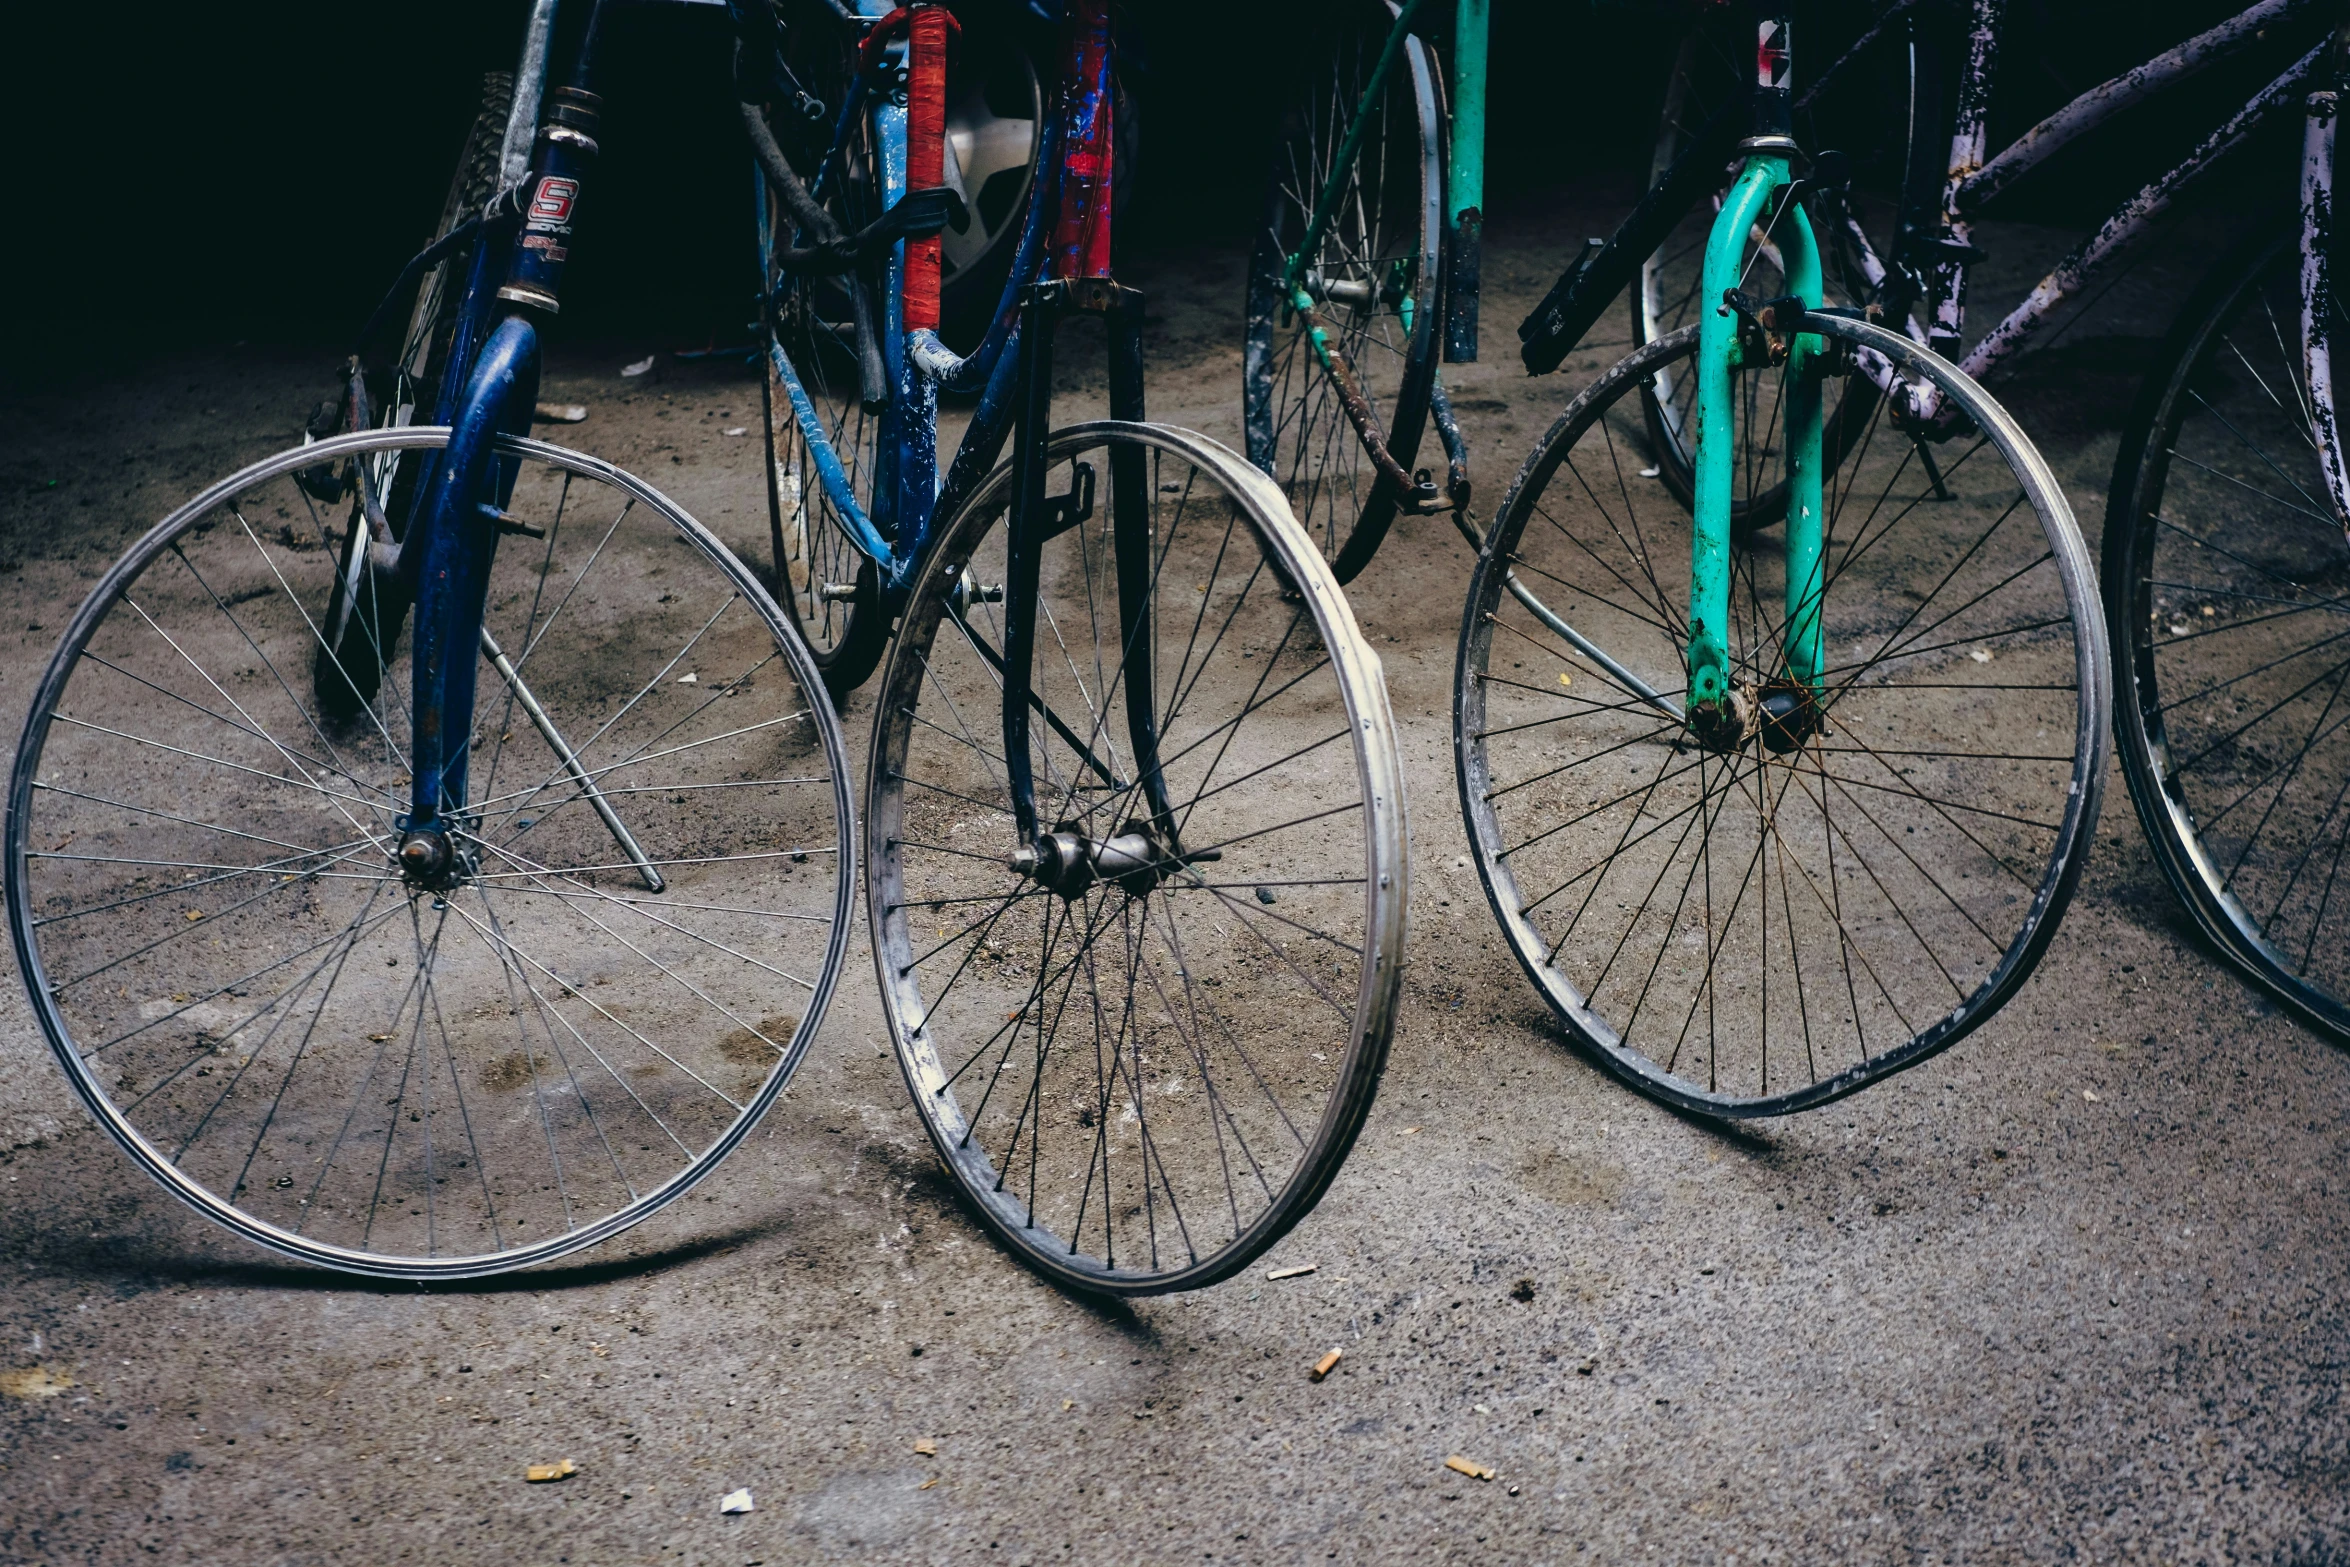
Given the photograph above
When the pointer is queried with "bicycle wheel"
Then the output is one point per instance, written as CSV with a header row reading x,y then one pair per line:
x,y
2226,577
1143,1081
1770,925
215,935
829,586
1865,86
360,621
1373,279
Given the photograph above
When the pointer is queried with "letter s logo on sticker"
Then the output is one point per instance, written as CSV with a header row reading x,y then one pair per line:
x,y
552,202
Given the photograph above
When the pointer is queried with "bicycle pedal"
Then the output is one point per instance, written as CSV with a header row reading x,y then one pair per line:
x,y
1426,500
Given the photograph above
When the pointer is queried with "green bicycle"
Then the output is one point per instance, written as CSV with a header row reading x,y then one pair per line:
x,y
1768,815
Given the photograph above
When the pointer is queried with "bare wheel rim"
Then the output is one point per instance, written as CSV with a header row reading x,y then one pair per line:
x,y
2226,573
1761,930
1374,281
252,1003
1203,1043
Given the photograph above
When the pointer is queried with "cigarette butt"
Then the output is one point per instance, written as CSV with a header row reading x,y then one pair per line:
x,y
1469,1466
538,1473
1327,1364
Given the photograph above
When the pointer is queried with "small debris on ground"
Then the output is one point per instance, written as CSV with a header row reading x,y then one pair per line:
x,y
641,367
561,1469
926,1448
1650,473
689,678
927,1484
1469,1466
2090,1094
34,1381
1411,1131
735,1501
738,430
1265,895
1981,655
1298,1272
1327,1364
559,413
1522,1291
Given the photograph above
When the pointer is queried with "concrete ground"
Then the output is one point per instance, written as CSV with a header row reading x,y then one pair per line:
x,y
2074,1291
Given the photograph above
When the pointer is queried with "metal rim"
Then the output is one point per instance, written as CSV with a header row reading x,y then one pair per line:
x,y
2074,832
1378,776
151,1159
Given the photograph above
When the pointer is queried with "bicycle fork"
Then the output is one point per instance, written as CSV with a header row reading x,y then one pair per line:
x,y
1144,849
1785,708
450,552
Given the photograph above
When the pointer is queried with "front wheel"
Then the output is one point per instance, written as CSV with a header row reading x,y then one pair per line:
x,y
646,924
1143,1055
1756,923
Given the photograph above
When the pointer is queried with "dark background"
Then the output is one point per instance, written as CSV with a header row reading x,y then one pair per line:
x,y
194,174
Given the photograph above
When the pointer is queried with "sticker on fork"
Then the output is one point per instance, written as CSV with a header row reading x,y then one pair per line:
x,y
1770,52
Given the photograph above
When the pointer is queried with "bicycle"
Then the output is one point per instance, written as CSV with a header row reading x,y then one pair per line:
x,y
1084,819
649,785
1894,706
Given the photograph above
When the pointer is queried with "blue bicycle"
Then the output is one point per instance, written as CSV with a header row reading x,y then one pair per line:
x,y
430,850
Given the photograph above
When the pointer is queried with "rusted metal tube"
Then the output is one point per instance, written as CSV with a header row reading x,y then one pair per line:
x,y
2099,104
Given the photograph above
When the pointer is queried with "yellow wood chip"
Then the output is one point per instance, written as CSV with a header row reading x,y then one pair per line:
x,y
927,1484
555,1471
1327,1364
1468,1466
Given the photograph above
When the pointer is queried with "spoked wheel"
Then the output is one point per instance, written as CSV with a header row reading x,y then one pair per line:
x,y
1373,279
1771,921
220,946
814,377
1144,1050
1861,90
2228,594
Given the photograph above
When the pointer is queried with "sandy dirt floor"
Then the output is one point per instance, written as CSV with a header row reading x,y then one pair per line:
x,y
2072,1291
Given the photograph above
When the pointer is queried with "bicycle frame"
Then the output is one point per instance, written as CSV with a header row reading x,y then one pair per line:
x,y
1925,282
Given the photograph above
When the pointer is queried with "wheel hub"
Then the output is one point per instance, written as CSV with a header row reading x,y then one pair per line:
x,y
1066,861
430,861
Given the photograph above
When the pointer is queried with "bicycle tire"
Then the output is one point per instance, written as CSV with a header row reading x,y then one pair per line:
x,y
2219,539
365,616
1378,277
810,333
1289,993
